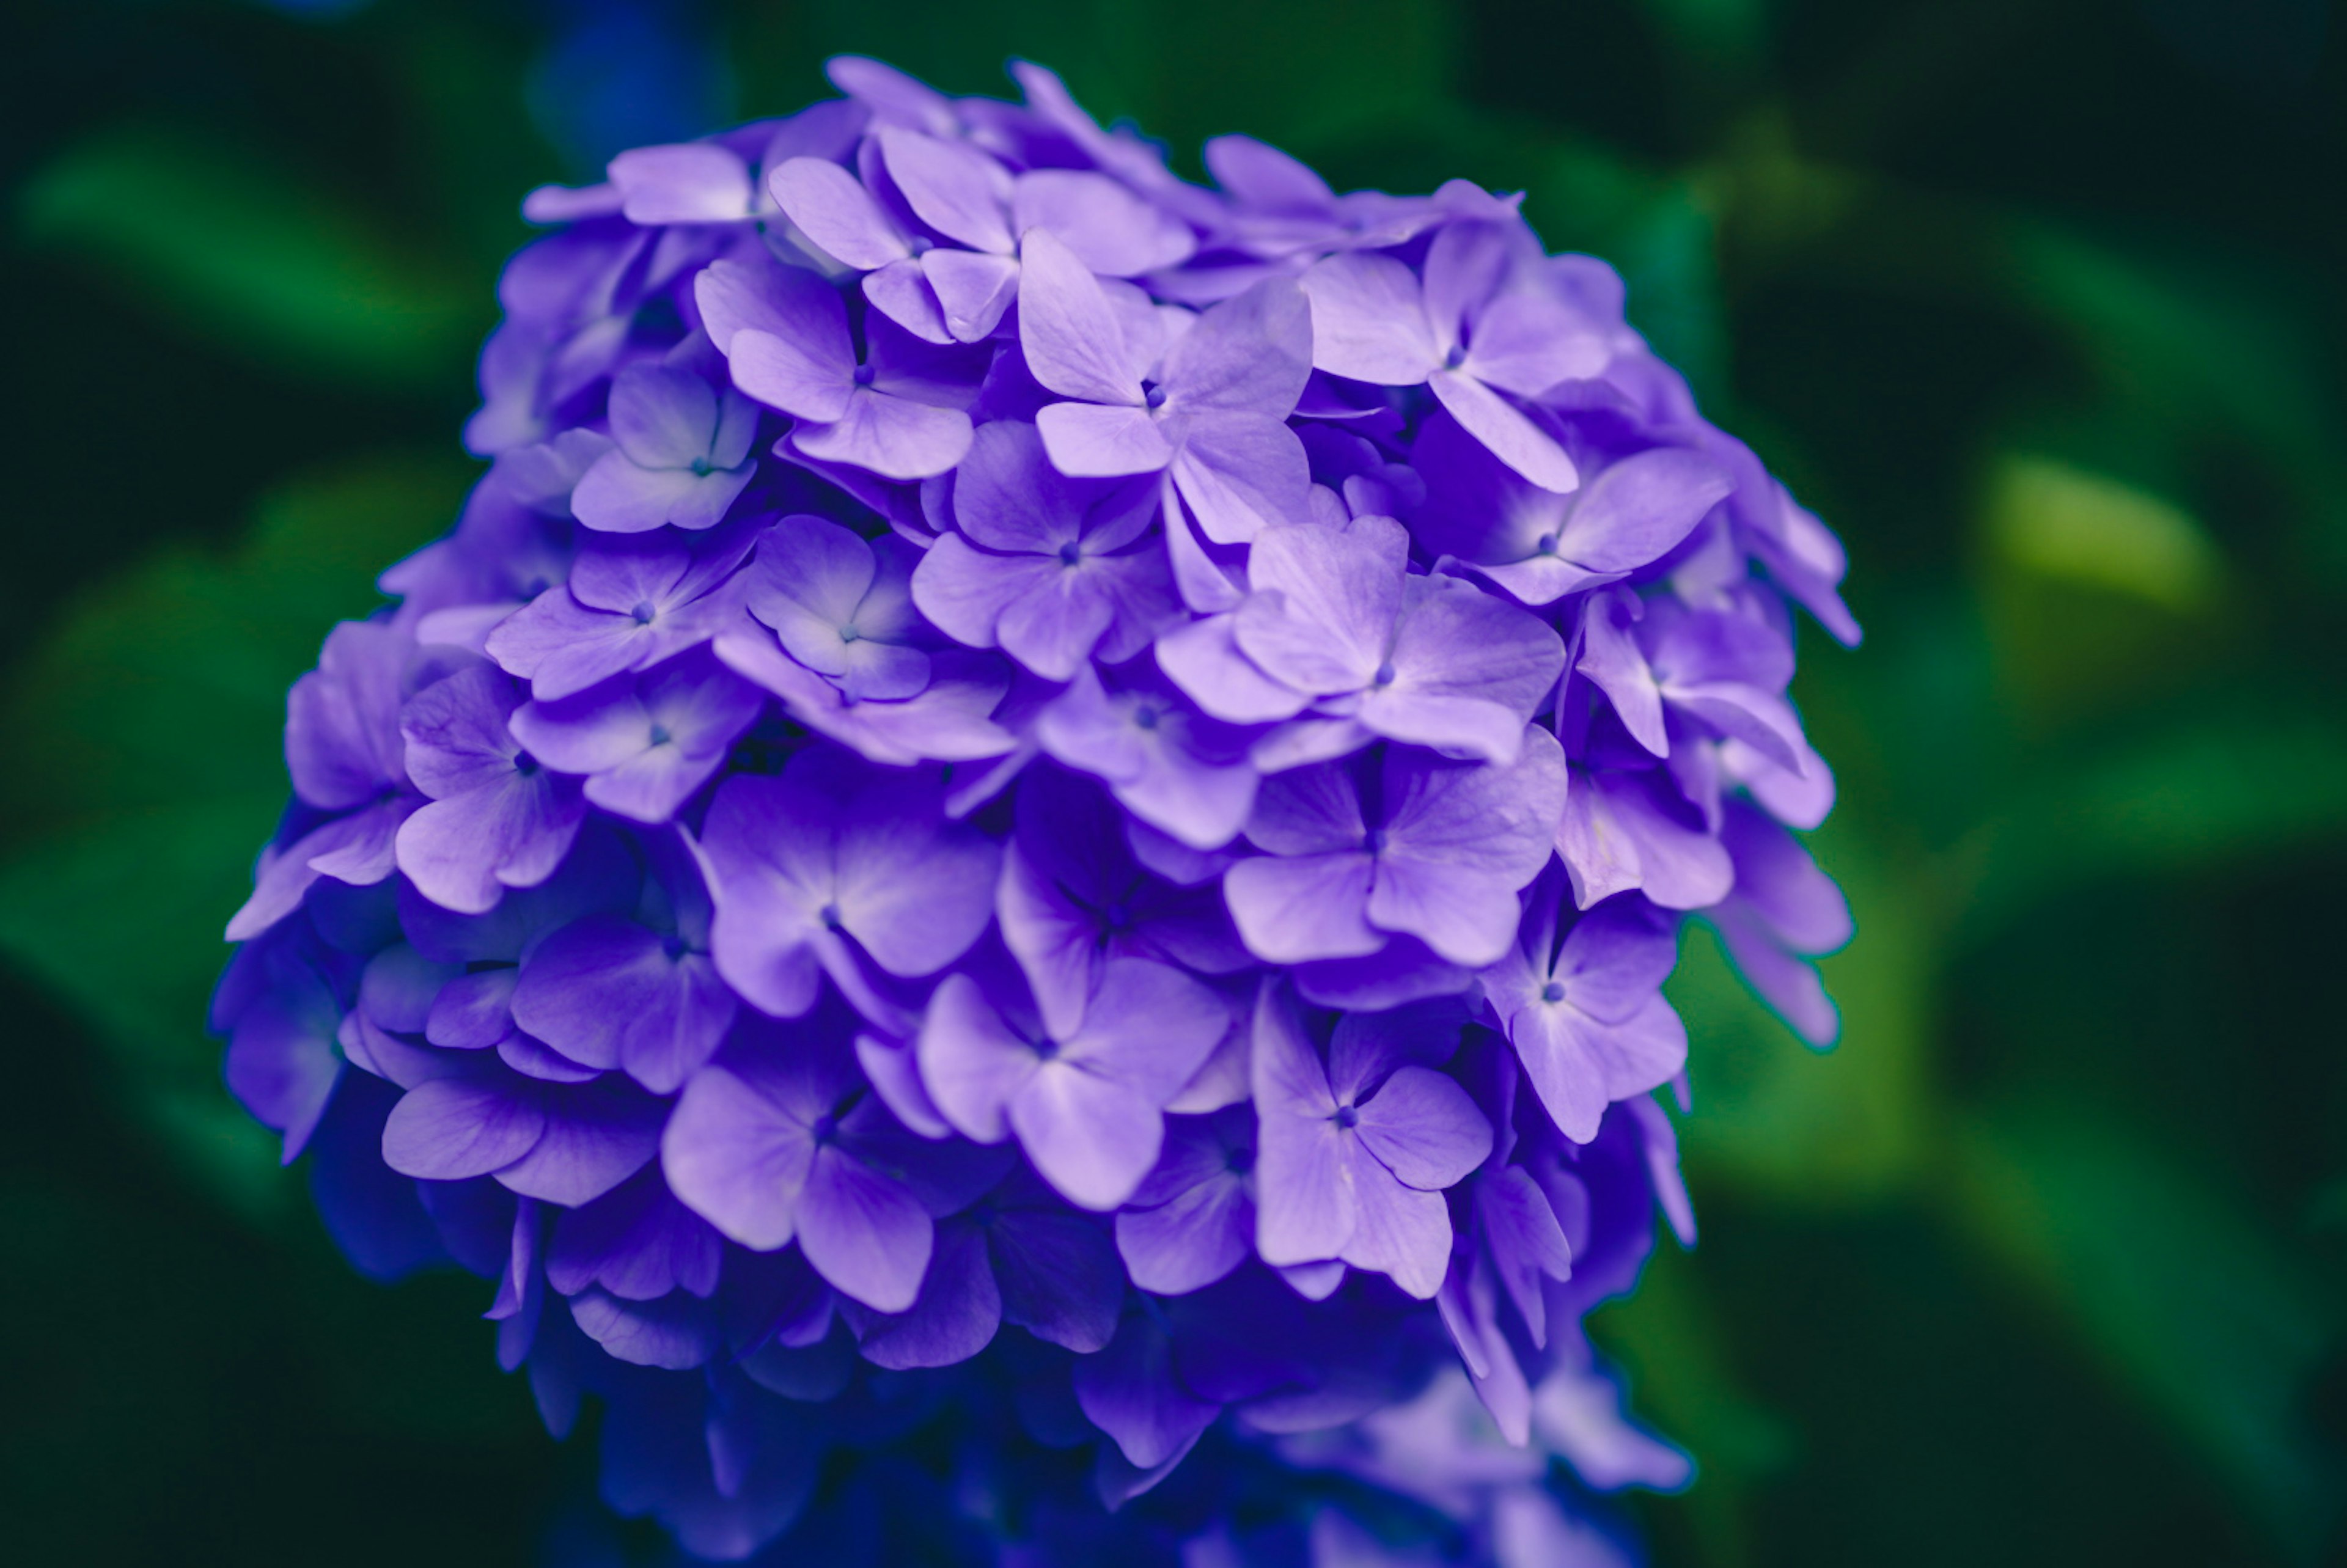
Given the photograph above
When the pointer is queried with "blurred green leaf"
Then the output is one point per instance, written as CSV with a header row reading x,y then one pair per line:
x,y
154,717
2253,777
2181,1293
254,256
1676,1355
1777,1119
2058,521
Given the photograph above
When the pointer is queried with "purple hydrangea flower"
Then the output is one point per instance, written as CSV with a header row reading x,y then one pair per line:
x,y
1038,808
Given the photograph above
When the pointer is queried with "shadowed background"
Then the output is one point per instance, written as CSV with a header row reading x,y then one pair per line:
x,y
2035,300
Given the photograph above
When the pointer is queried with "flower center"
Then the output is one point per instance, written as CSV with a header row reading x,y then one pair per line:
x,y
826,1128
1145,716
1553,991
702,466
1240,1162
1547,546
660,736
525,764
1384,675
643,612
863,376
1347,1116
1070,554
849,633
829,916
1374,841
1456,357
1155,397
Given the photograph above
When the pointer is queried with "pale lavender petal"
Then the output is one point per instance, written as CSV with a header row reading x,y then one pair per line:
x,y
738,1155
831,206
1101,440
1399,1232
1292,909
1338,593
900,291
1190,1241
1251,354
1111,230
1069,333
972,1063
1611,657
1203,658
1092,1137
972,290
952,186
964,591
788,304
1425,1129
686,182
1306,1201
1638,509
1241,474
1369,321
893,436
1505,429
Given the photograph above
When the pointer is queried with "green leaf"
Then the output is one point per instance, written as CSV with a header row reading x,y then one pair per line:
x,y
1772,1118
155,718
2179,1291
257,258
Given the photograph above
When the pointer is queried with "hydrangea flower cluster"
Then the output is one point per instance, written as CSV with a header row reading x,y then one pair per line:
x,y
1032,823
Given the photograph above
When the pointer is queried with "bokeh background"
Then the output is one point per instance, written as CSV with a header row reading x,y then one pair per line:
x,y
2037,302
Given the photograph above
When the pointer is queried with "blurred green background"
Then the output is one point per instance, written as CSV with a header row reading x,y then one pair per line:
x,y
2036,301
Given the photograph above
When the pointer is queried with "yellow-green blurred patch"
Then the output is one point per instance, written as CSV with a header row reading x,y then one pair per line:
x,y
2067,525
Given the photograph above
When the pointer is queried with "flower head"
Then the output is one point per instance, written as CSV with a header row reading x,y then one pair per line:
x,y
1039,807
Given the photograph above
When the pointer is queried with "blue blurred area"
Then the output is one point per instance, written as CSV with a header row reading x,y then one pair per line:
x,y
616,73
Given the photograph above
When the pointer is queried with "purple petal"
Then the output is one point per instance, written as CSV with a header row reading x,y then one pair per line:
x,y
1327,602
686,182
738,1154
1293,910
451,1128
1638,509
281,1065
952,186
1368,321
958,1312
1070,335
637,1243
1250,355
1505,429
1468,672
1191,1240
1092,1137
832,208
343,743
597,1137
1058,1275
972,290
790,305
1305,1194
1113,232
1103,440
893,436
865,1233
972,1063
607,992
1425,1129
1241,474
1130,1391
1612,660
462,853
677,1334
1399,1231
1203,658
